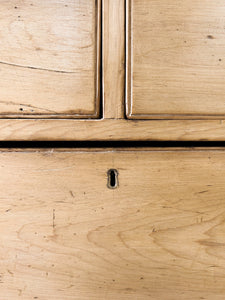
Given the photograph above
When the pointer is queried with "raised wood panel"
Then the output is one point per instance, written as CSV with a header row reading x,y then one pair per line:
x,y
65,235
175,59
50,58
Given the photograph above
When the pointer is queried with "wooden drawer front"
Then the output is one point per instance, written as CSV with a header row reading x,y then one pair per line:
x,y
49,58
159,235
175,59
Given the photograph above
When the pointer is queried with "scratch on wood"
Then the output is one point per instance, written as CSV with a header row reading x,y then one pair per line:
x,y
202,192
10,272
71,193
53,218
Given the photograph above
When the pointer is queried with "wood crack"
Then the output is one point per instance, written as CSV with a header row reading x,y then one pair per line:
x,y
36,68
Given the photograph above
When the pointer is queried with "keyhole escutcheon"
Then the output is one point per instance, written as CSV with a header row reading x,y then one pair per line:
x,y
112,179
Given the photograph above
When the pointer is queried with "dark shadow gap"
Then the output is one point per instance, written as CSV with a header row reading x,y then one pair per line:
x,y
107,144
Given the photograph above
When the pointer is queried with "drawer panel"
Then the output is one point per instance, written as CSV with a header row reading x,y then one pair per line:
x,y
159,234
175,65
49,58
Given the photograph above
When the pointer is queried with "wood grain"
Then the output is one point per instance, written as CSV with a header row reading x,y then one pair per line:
x,y
175,59
65,235
114,58
49,58
111,130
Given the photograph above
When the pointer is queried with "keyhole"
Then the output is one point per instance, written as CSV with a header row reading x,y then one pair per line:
x,y
112,179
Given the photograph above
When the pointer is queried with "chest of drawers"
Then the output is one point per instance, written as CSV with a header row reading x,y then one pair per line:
x,y
122,222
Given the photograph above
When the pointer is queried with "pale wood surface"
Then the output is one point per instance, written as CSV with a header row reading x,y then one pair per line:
x,y
49,58
175,66
159,235
112,126
113,58
112,130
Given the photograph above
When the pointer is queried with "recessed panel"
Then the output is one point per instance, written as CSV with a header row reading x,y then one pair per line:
x,y
49,58
175,59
